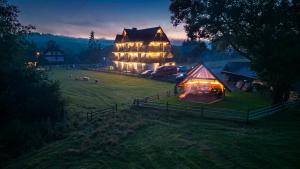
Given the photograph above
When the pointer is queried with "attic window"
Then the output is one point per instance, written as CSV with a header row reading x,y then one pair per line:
x,y
159,31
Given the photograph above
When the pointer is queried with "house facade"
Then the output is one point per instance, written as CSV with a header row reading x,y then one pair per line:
x,y
137,50
54,56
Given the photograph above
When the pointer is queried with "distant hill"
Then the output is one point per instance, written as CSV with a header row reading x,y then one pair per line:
x,y
69,44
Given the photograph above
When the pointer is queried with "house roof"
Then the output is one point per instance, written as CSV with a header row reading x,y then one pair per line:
x,y
118,38
202,72
144,35
239,69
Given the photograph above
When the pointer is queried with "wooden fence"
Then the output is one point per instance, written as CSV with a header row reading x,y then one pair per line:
x,y
94,114
216,113
155,97
269,110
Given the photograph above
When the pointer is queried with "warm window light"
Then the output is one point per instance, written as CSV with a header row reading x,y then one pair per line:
x,y
205,81
157,43
140,55
38,54
124,33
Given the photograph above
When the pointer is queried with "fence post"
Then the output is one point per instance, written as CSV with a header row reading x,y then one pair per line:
x,y
87,116
247,118
116,108
167,107
157,96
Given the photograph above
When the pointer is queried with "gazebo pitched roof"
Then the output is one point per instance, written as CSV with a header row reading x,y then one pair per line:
x,y
202,72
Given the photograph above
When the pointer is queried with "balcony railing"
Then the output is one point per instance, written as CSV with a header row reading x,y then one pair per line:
x,y
144,60
144,49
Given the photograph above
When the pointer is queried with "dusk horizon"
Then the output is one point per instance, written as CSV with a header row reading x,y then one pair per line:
x,y
105,18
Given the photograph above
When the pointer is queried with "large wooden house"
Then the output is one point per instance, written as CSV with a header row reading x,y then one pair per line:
x,y
137,50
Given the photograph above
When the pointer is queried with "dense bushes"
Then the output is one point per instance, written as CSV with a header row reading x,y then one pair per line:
x,y
31,106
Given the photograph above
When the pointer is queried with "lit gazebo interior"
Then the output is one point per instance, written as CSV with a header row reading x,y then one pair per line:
x,y
201,86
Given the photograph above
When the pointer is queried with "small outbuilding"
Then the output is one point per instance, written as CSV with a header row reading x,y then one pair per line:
x,y
240,75
201,86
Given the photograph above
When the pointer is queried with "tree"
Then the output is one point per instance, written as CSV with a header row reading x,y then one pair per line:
x,y
266,31
92,41
52,45
28,100
93,53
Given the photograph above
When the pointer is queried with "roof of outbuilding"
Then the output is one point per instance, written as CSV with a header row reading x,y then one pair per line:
x,y
240,69
144,35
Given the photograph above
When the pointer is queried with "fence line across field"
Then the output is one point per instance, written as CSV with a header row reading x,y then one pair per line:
x,y
217,113
201,111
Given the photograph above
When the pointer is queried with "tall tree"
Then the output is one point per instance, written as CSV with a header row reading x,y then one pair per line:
x,y
28,100
92,41
93,53
266,31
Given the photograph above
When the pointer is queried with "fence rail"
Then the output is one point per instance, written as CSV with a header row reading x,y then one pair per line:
x,y
92,115
216,113
202,111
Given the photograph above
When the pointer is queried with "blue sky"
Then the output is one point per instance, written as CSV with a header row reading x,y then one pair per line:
x,y
77,18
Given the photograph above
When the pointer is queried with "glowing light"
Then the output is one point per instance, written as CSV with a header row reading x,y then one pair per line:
x,y
157,43
159,31
200,85
130,55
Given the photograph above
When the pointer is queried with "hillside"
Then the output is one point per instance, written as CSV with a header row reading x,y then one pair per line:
x,y
69,44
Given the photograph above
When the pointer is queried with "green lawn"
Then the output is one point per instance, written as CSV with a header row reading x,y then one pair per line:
x,y
151,139
112,89
242,101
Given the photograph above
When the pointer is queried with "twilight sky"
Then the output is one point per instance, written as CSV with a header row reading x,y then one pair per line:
x,y
106,17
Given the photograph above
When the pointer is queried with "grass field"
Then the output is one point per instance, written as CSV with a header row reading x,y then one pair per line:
x,y
150,139
111,89
242,101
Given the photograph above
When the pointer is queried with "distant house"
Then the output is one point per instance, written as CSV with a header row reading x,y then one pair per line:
x,y
239,74
202,86
54,56
136,50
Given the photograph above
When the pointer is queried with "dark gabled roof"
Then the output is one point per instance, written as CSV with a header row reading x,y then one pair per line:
x,y
144,35
118,38
239,69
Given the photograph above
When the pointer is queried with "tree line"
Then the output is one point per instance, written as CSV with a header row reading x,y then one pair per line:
x,y
265,31
31,105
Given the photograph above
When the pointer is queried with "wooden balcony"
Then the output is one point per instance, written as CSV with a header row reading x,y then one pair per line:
x,y
144,59
144,49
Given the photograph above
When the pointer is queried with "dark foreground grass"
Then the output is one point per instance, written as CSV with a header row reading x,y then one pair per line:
x,y
154,139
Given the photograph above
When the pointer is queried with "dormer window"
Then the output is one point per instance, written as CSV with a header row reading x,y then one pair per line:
x,y
124,33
